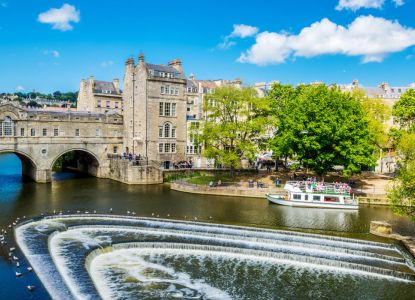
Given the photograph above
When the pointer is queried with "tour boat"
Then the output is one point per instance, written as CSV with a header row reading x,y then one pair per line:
x,y
316,194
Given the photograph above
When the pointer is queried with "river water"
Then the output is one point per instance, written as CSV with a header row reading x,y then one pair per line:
x,y
69,192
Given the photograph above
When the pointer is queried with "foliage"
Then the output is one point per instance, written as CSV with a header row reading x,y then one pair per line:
x,y
68,96
377,113
205,180
235,121
402,192
321,127
64,161
404,110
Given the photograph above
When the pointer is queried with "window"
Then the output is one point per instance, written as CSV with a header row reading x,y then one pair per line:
x,y
167,130
107,104
77,132
331,199
167,109
32,132
161,147
97,132
172,91
99,103
21,131
160,131
306,197
8,126
173,148
297,197
162,90
44,132
55,131
161,109
115,150
173,132
167,147
176,91
316,198
173,109
116,104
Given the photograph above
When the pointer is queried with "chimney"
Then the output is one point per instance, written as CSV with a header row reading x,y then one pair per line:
x,y
384,86
129,61
141,58
91,82
116,83
176,64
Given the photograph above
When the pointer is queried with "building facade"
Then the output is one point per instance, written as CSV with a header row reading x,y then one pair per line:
x,y
99,96
155,111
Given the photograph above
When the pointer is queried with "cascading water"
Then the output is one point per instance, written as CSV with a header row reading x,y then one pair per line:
x,y
115,257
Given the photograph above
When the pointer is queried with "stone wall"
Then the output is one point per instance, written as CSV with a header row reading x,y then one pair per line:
x,y
124,171
234,191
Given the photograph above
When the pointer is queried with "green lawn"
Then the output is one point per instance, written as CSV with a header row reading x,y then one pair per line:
x,y
204,180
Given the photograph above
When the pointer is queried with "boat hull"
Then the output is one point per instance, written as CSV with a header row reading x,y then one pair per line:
x,y
277,199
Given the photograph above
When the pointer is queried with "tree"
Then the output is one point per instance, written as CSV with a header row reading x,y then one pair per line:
x,y
404,110
402,192
234,123
322,127
377,114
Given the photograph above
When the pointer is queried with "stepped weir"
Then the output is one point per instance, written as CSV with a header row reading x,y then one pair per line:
x,y
118,257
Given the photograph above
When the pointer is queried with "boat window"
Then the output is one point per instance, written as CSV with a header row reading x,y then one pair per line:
x,y
316,198
306,197
297,197
331,199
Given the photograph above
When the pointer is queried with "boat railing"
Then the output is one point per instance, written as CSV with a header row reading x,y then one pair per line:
x,y
321,187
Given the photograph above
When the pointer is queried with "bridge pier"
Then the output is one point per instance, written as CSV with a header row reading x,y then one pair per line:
x,y
42,176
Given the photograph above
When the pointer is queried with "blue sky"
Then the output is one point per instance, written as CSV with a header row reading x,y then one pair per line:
x,y
368,40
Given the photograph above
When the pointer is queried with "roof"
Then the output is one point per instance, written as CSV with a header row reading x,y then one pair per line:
x,y
105,87
157,69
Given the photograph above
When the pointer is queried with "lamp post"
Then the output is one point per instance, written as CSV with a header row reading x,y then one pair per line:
x,y
133,112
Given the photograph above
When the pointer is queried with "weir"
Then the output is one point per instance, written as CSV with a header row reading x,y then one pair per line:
x,y
68,245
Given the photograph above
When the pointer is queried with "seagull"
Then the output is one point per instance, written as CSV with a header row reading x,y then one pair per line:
x,y
18,264
18,274
12,249
15,258
110,210
31,288
30,269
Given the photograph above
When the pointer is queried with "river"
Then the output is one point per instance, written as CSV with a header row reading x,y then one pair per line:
x,y
71,192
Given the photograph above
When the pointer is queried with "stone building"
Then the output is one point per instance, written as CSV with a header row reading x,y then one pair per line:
x,y
196,91
155,111
99,96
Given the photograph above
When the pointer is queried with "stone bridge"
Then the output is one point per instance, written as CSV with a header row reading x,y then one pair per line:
x,y
40,137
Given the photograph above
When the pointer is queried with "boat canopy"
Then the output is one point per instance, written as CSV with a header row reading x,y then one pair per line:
x,y
318,187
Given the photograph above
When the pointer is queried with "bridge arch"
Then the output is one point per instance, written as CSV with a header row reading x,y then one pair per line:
x,y
29,165
84,160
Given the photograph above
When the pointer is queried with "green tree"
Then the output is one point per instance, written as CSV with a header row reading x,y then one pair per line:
x,y
377,114
404,110
234,124
322,127
402,192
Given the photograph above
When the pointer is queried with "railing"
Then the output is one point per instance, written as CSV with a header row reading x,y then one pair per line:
x,y
234,185
321,187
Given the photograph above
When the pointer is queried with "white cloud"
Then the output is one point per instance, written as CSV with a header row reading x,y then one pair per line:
x,y
20,88
243,31
239,31
106,64
357,4
60,18
53,53
367,36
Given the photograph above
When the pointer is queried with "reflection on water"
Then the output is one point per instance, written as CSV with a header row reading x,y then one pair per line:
x,y
18,198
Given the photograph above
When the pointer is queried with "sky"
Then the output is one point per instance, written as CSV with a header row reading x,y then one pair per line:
x,y
50,45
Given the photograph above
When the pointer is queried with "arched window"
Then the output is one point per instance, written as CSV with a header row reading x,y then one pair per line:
x,y
167,130
8,126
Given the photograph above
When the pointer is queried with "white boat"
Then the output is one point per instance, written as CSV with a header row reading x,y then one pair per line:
x,y
316,194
